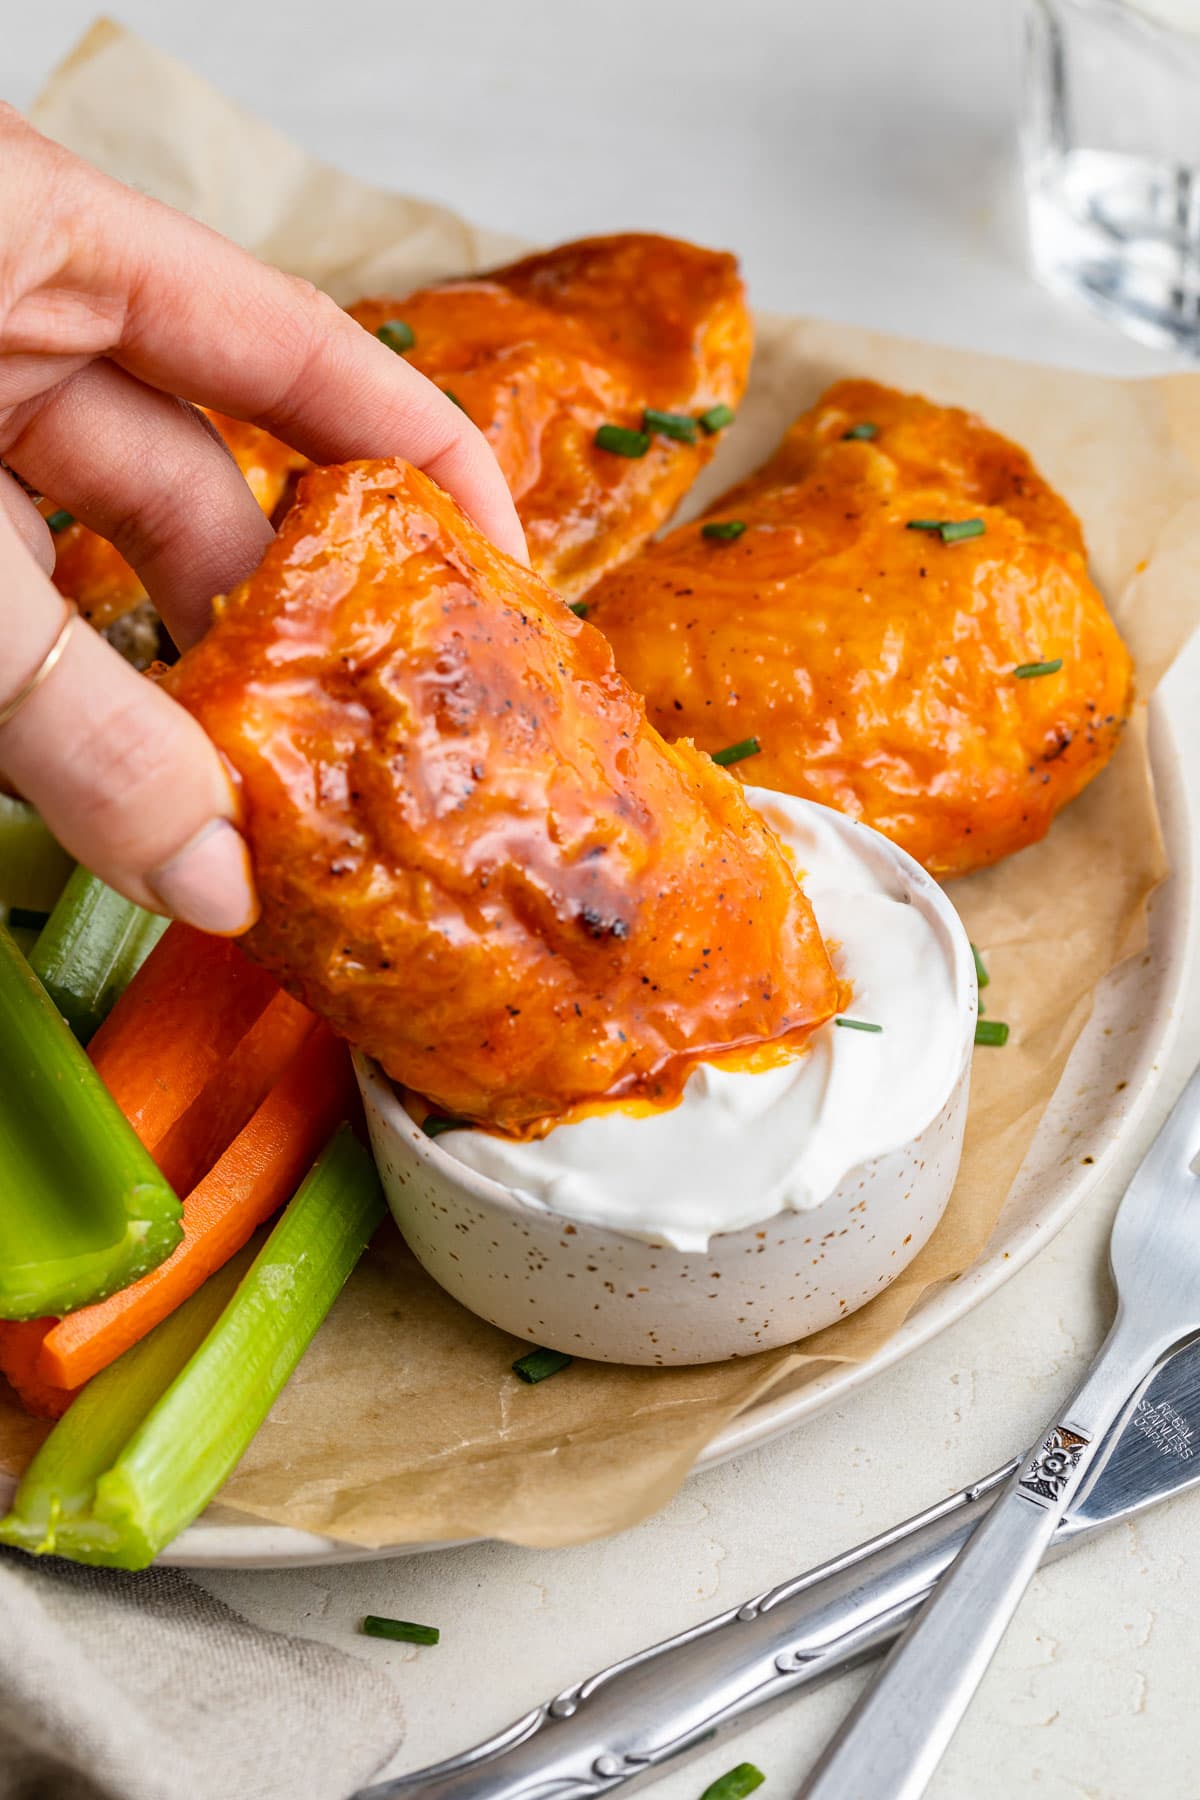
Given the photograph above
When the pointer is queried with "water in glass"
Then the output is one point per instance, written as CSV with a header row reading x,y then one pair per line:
x,y
1111,153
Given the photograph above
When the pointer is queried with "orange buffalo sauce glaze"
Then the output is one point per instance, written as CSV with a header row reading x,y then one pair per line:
x,y
475,856
651,1098
543,351
874,662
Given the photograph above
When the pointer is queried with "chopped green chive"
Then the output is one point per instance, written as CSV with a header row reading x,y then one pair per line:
x,y
863,431
397,335
716,418
857,1024
579,608
981,975
457,402
668,424
737,752
991,1031
433,1124
723,530
1025,671
399,1630
951,531
58,521
736,1784
619,440
539,1364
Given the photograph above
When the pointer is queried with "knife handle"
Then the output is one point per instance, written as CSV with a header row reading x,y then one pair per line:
x,y
658,1704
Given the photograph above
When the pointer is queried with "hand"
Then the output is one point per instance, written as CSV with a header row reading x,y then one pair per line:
x,y
111,306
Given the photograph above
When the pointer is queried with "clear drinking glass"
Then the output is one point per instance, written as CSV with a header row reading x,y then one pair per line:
x,y
1111,153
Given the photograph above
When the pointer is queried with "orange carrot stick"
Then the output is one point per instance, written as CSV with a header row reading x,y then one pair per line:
x,y
188,1007
234,1093
20,1346
256,1175
153,1080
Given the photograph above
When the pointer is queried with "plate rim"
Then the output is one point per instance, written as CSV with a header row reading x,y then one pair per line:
x,y
225,1544
950,1301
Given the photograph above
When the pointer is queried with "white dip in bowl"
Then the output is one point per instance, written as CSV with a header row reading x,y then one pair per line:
x,y
762,1207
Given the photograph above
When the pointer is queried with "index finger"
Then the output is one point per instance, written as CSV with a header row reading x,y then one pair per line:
x,y
187,311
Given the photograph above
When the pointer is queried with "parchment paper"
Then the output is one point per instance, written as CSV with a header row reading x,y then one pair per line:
x,y
403,1422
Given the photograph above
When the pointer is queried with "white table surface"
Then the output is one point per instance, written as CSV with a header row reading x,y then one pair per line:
x,y
859,155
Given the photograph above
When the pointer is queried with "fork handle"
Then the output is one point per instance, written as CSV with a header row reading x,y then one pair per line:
x,y
662,1702
892,1741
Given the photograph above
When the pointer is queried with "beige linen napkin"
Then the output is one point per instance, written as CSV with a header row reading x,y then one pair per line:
x,y
144,1687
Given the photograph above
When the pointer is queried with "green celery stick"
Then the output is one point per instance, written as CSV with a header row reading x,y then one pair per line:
x,y
33,865
195,1434
83,1209
23,936
90,949
60,1482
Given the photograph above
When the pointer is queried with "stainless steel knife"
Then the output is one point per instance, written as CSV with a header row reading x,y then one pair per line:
x,y
632,1718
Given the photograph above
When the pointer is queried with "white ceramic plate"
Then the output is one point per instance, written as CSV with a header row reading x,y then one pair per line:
x,y
1105,1088
1107,1083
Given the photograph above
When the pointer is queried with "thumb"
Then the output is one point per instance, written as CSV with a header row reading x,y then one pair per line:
x,y
124,778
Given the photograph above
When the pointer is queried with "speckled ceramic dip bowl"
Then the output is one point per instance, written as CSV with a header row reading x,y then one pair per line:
x,y
593,1291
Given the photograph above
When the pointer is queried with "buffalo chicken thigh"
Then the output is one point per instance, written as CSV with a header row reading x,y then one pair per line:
x,y
545,352
896,608
475,856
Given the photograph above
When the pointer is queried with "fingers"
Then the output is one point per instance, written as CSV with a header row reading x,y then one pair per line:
x,y
156,480
298,365
30,526
123,777
188,312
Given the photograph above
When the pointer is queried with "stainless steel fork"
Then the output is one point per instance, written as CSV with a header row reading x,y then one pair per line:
x,y
894,1738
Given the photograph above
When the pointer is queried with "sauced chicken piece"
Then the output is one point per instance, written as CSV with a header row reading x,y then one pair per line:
x,y
475,856
952,689
89,571
543,352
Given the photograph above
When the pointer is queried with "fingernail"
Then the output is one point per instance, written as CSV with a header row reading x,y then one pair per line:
x,y
208,883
